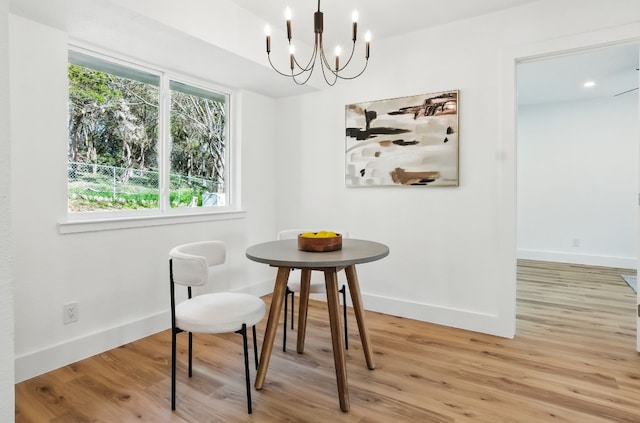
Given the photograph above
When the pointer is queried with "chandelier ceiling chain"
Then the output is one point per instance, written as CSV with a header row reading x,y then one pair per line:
x,y
301,74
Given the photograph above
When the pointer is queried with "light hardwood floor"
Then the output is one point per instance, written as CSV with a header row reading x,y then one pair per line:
x,y
573,360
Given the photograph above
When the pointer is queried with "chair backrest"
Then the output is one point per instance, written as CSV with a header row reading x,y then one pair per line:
x,y
293,233
190,263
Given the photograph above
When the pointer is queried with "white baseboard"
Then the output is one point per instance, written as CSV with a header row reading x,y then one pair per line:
x,y
42,361
574,258
45,360
462,319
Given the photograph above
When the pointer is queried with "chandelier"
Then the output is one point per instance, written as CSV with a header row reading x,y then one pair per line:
x,y
301,74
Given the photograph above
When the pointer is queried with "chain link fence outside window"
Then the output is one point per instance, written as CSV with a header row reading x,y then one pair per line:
x,y
93,187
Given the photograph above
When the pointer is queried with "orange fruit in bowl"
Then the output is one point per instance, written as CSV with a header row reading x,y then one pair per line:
x,y
320,234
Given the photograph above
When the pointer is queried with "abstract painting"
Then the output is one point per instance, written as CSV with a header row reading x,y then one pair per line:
x,y
403,141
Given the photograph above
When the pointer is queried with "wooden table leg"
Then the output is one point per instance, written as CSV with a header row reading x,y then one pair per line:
x,y
305,283
333,303
272,324
358,309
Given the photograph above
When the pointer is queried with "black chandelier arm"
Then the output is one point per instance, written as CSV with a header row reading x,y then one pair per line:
x,y
309,65
324,75
339,76
324,61
312,60
305,80
337,73
353,49
355,76
341,68
282,73
309,71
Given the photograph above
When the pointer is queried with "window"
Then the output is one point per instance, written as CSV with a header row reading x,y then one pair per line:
x,y
142,140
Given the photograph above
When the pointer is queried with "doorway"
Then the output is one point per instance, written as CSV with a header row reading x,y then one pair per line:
x,y
578,158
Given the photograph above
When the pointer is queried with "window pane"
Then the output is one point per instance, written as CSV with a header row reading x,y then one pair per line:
x,y
113,68
113,133
198,147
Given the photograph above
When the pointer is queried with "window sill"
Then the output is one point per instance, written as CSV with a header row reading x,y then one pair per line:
x,y
128,222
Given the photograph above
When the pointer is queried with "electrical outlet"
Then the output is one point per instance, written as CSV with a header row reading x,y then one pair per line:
x,y
575,242
70,313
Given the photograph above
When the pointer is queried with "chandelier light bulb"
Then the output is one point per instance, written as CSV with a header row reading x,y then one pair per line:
x,y
267,31
354,29
287,14
367,45
292,59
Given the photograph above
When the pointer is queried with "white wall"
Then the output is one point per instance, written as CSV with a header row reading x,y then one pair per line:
x,y
452,255
119,278
6,285
578,180
452,249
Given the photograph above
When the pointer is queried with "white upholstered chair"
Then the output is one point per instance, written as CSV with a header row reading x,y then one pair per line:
x,y
317,286
221,312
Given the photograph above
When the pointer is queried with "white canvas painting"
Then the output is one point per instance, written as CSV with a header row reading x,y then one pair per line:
x,y
408,141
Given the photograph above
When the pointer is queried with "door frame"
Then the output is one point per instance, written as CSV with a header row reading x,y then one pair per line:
x,y
507,158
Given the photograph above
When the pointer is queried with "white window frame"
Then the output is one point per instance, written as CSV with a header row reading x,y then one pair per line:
x,y
165,214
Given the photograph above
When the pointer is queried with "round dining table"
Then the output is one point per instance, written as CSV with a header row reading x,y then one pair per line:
x,y
284,255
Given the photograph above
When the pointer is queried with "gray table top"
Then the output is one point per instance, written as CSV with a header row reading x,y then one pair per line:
x,y
285,253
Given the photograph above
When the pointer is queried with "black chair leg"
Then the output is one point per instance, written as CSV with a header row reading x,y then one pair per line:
x,y
243,332
284,333
293,294
343,290
286,305
173,369
190,354
255,346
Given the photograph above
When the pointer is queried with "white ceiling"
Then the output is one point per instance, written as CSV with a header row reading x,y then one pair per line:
x,y
384,19
547,80
562,78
